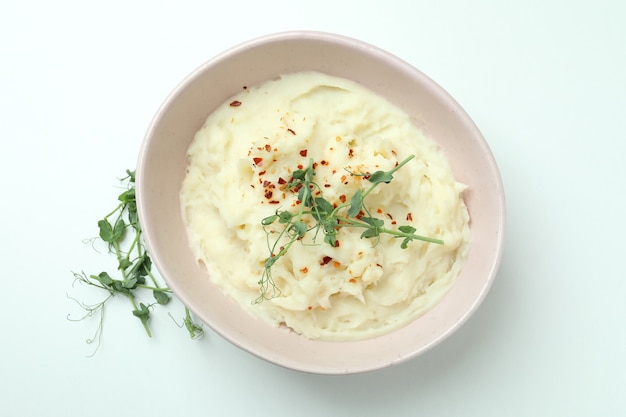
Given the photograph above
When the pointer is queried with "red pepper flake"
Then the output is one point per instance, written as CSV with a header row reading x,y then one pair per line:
x,y
304,270
323,162
268,194
310,307
258,161
327,186
326,260
379,211
409,217
342,198
394,152
235,103
261,173
351,153
314,165
267,183
291,131
300,166
281,181
274,202
336,243
303,152
268,148
352,280
379,265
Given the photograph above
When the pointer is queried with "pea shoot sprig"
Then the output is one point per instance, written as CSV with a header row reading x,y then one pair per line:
x,y
121,231
317,215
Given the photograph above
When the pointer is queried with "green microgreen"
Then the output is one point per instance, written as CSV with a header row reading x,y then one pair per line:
x,y
327,219
133,278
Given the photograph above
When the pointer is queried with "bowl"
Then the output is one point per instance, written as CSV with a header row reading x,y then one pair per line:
x,y
161,169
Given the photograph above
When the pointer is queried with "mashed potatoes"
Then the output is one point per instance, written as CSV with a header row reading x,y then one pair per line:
x,y
238,165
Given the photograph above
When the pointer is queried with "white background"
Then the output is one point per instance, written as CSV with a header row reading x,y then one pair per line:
x,y
544,80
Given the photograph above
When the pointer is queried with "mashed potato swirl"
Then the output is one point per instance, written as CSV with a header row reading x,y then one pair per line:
x,y
363,288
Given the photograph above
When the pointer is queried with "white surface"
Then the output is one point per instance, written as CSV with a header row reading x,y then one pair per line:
x,y
543,80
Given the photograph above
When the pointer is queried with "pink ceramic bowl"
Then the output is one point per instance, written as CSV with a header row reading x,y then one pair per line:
x,y
161,168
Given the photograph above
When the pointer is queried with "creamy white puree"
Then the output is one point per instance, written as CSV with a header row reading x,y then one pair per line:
x,y
370,287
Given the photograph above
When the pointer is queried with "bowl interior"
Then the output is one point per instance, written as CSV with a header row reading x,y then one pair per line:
x,y
161,169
